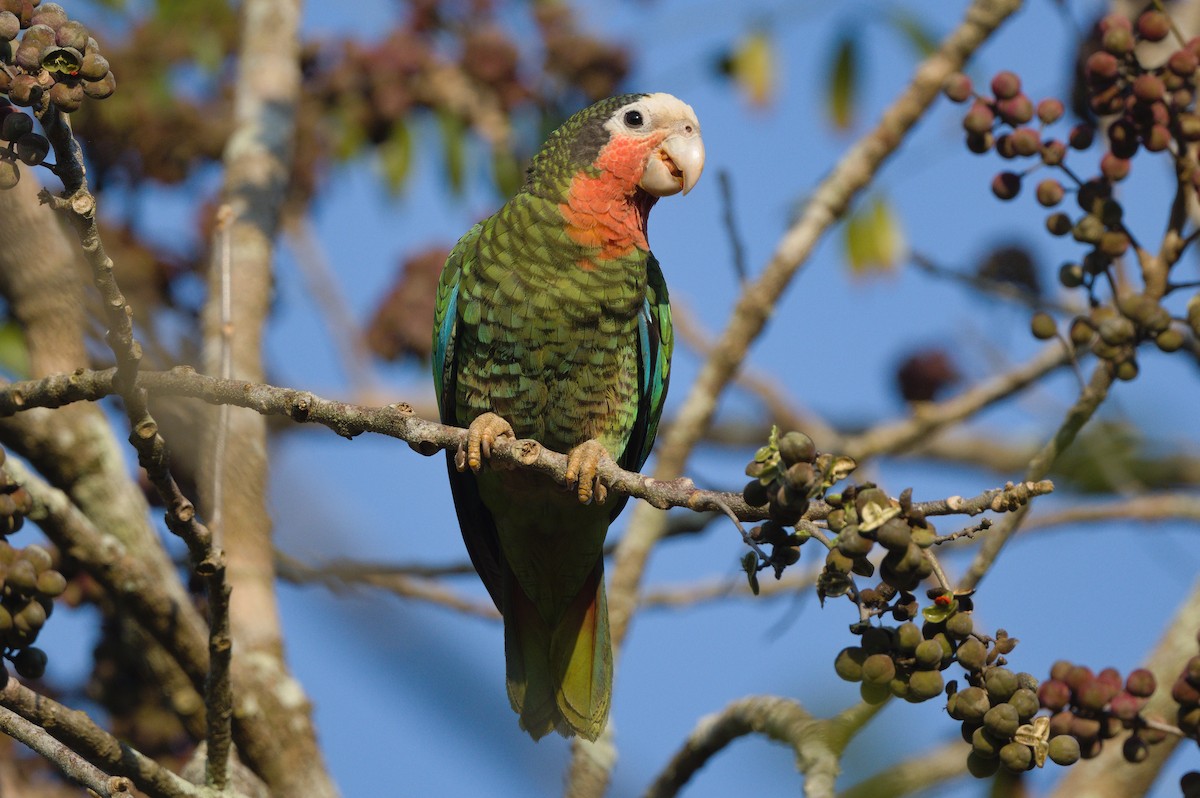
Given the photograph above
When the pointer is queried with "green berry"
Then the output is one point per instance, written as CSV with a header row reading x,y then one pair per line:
x,y
1002,721
1017,757
982,767
849,663
924,685
879,669
1064,750
1001,683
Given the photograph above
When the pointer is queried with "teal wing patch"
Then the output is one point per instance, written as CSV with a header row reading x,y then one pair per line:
x,y
656,341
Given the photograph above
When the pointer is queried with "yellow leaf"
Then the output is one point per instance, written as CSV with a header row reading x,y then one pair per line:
x,y
753,67
874,241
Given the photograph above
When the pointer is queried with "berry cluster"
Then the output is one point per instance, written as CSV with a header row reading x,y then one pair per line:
x,y
46,59
1093,707
863,516
28,585
997,712
1141,108
786,474
15,502
905,661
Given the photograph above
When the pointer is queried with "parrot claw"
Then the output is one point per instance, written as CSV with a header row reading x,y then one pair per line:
x,y
481,434
583,471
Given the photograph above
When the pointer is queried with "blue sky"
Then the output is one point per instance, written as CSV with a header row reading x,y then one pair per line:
x,y
410,698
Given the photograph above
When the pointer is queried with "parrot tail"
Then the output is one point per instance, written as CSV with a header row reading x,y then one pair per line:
x,y
560,676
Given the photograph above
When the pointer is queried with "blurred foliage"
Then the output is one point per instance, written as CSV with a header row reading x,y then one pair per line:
x,y
872,237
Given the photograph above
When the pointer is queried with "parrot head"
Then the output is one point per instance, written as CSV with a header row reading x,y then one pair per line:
x,y
643,141
608,164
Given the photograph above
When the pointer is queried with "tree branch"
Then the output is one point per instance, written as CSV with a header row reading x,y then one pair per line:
x,y
915,775
69,763
1084,408
428,437
99,748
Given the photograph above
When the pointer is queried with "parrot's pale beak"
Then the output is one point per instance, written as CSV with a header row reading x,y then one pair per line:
x,y
676,164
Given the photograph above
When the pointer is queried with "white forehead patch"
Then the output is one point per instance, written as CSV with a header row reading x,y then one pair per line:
x,y
652,113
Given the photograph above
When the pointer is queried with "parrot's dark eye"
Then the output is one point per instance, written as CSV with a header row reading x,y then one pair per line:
x,y
633,118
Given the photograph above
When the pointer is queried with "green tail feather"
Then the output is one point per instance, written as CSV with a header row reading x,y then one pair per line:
x,y
560,676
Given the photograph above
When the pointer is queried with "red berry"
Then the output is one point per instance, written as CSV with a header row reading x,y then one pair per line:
x,y
1050,192
958,87
1141,683
1050,110
1026,141
1114,21
1148,88
1054,694
1006,85
1102,67
1183,63
1053,152
979,119
1006,185
1016,110
1154,26
1114,168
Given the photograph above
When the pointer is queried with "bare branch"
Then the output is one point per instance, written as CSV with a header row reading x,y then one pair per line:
x,y
342,575
93,744
780,719
928,419
69,763
427,437
1078,415
914,775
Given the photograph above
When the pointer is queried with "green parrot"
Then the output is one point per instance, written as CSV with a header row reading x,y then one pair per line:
x,y
552,323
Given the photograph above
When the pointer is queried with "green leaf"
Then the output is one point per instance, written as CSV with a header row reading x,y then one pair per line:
x,y
506,171
922,40
14,353
395,156
454,143
843,82
750,566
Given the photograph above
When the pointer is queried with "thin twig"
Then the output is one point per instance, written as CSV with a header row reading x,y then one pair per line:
x,y
208,561
736,246
1078,415
69,763
340,576
895,436
92,743
915,775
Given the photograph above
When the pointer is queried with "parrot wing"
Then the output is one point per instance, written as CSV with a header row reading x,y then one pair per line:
x,y
474,519
656,340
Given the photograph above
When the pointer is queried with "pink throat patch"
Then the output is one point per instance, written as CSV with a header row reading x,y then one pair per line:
x,y
608,211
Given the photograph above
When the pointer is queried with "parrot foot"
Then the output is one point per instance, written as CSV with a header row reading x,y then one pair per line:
x,y
481,434
583,471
